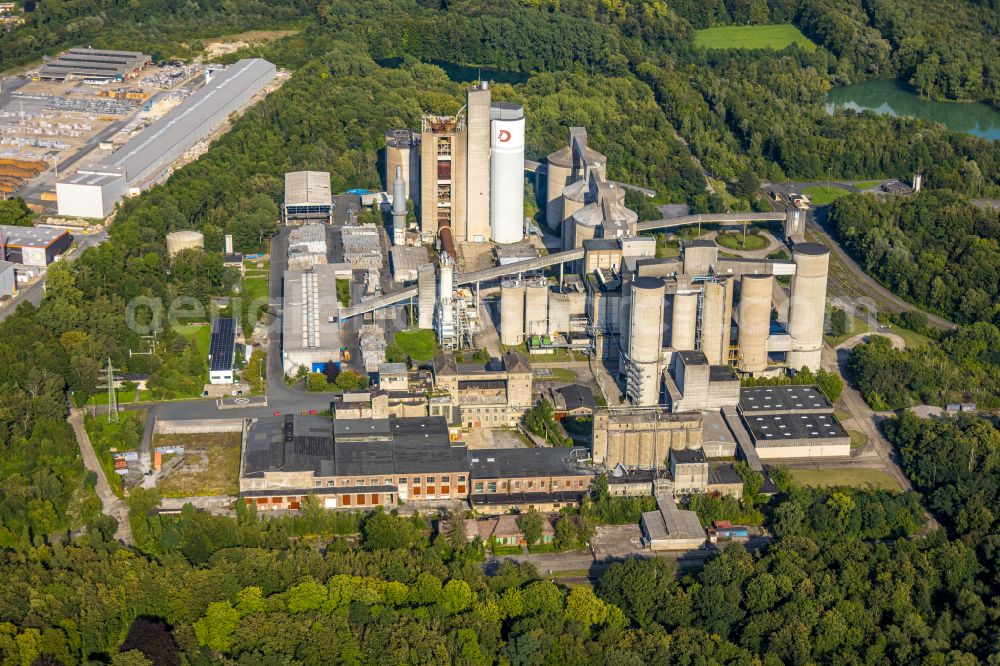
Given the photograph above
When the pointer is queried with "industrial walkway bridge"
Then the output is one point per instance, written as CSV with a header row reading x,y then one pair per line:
x,y
553,259
702,218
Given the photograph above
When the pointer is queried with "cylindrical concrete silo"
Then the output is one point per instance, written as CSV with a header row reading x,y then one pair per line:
x,y
684,322
184,240
572,204
716,315
755,321
559,170
507,173
401,150
807,304
426,296
558,313
645,340
582,230
511,312
536,302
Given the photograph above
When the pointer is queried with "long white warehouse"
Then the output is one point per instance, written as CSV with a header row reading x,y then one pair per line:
x,y
95,189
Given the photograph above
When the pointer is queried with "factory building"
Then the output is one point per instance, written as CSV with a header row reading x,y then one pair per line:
x,y
350,463
641,437
310,326
481,137
542,478
367,463
84,62
530,309
670,528
307,198
469,179
33,246
443,179
222,351
491,395
94,190
697,384
792,422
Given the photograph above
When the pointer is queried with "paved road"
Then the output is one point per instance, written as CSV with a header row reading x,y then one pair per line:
x,y
855,340
866,419
111,505
33,293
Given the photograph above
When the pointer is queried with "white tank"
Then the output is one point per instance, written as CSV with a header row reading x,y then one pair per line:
x,y
755,321
536,301
684,322
807,304
507,174
645,341
184,240
511,312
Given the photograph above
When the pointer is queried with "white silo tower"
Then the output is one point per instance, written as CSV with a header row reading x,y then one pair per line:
x,y
507,173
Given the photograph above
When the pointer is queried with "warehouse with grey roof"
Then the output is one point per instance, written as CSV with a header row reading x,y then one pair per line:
x,y
95,189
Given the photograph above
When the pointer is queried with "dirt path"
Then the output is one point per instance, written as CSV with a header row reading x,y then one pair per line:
x,y
111,505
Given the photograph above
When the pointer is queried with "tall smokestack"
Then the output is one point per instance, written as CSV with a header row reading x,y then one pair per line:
x,y
399,208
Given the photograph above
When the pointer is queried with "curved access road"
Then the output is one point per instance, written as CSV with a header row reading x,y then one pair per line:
x,y
855,340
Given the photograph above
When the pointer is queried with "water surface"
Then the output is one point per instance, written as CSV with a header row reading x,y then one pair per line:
x,y
891,97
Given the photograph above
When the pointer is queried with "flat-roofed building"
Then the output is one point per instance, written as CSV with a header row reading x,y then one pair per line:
x,y
311,324
360,463
146,158
307,197
778,436
406,260
689,470
33,246
222,351
82,62
642,437
764,400
540,478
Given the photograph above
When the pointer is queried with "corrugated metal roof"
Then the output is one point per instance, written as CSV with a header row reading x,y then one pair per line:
x,y
185,124
308,188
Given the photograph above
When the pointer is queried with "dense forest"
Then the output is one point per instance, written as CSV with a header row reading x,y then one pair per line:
x,y
936,250
161,28
294,590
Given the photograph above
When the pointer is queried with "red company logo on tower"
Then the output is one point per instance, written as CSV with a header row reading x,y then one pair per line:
x,y
503,136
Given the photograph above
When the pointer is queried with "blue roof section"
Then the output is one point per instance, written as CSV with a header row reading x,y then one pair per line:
x,y
222,347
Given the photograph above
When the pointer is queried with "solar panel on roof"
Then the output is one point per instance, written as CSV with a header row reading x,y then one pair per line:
x,y
222,346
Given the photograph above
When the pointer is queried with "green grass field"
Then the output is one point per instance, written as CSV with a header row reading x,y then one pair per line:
x,y
822,195
752,37
866,184
858,438
843,476
417,343
734,241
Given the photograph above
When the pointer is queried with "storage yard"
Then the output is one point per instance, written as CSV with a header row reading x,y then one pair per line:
x,y
50,122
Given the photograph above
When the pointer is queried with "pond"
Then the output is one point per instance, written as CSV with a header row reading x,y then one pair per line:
x,y
467,73
895,99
